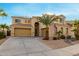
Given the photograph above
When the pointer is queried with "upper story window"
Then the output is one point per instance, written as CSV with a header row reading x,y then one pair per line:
x,y
25,21
61,21
56,20
17,20
29,21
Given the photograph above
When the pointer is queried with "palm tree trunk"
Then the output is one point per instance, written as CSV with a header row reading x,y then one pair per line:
x,y
47,34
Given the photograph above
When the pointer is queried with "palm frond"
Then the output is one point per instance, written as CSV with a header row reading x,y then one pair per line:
x,y
1,10
46,20
2,13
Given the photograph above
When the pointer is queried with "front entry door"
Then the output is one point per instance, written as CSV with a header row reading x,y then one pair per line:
x,y
36,29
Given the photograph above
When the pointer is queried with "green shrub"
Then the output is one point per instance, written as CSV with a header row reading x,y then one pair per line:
x,y
68,37
62,37
55,38
2,35
77,36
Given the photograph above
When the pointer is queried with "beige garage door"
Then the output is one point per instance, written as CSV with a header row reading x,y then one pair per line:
x,y
22,32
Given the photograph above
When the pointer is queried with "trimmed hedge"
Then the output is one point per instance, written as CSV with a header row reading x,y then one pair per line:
x,y
68,37
55,38
2,35
62,37
77,36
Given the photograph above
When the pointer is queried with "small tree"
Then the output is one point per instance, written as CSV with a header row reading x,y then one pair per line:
x,y
46,20
7,27
59,33
76,30
3,13
3,26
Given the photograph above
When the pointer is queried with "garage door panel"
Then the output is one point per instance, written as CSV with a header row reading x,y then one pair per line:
x,y
22,32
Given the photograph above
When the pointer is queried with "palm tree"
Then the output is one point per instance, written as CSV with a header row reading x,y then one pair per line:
x,y
46,20
3,26
76,30
7,27
3,13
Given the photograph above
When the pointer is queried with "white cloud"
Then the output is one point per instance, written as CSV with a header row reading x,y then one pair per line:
x,y
50,13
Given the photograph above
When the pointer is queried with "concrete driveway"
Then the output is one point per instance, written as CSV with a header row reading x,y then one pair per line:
x,y
23,46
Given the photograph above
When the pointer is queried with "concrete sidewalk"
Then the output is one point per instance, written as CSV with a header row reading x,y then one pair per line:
x,y
31,46
67,51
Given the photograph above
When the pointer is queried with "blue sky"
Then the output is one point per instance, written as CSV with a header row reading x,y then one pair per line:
x,y
70,10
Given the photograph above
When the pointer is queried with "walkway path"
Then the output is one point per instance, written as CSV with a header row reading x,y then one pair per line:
x,y
22,46
67,51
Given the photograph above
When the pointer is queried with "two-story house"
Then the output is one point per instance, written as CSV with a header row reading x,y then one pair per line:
x,y
24,26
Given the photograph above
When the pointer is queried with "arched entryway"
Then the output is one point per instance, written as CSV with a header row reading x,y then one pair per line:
x,y
8,33
36,28
55,29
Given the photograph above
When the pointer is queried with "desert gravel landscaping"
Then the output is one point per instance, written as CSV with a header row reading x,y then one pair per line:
x,y
3,40
56,44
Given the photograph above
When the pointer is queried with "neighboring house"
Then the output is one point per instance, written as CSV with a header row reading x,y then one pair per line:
x,y
24,26
72,27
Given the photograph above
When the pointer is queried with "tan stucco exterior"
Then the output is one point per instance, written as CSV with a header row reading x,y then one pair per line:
x,y
26,23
